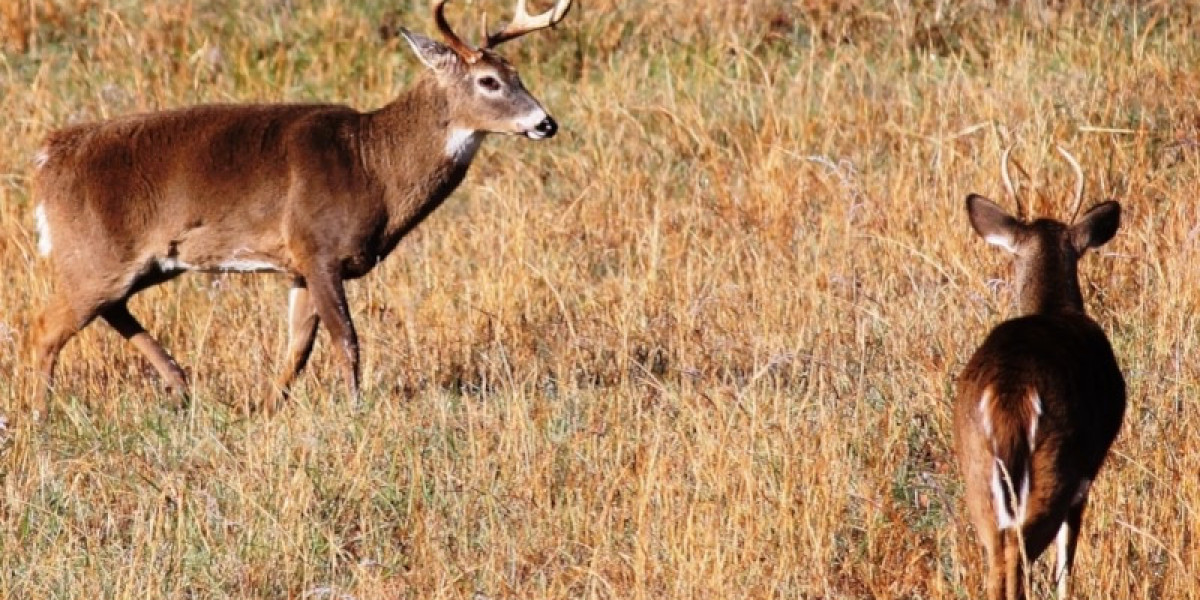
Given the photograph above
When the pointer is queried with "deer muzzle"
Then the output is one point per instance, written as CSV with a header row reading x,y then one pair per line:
x,y
546,128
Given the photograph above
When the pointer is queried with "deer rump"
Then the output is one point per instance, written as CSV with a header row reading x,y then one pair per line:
x,y
1040,383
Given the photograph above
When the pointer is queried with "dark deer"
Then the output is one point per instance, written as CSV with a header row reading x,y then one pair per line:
x,y
319,193
1041,401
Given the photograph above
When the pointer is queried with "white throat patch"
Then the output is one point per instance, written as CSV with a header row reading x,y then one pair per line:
x,y
461,145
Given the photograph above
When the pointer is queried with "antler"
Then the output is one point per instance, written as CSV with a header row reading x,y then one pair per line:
x,y
1008,184
461,48
1079,180
523,23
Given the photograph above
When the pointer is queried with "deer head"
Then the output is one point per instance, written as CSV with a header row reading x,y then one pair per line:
x,y
1047,251
484,91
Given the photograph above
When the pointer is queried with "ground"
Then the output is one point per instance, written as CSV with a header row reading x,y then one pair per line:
x,y
700,344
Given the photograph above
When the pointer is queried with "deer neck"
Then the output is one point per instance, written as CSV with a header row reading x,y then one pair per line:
x,y
417,153
1049,286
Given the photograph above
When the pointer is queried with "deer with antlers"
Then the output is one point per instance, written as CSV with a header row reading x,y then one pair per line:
x,y
319,193
1041,401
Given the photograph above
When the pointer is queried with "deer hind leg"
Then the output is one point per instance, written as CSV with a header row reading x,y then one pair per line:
x,y
994,547
983,514
1014,572
302,332
1019,552
57,324
329,298
119,317
1003,561
1067,540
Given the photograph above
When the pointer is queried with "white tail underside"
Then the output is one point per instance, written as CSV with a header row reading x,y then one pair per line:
x,y
1006,516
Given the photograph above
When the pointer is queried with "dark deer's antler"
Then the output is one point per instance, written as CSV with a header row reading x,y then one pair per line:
x,y
1008,183
1079,180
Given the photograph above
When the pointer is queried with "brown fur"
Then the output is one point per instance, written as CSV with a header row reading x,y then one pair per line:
x,y
321,193
1060,354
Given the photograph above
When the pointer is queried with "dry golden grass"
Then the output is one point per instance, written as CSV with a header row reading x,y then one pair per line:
x,y
701,345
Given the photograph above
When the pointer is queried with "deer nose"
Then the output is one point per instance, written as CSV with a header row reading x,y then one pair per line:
x,y
547,128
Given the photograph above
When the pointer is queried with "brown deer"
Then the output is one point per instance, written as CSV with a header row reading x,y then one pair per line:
x,y
319,193
1041,401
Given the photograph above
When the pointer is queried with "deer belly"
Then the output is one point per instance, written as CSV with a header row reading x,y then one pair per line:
x,y
241,265
234,264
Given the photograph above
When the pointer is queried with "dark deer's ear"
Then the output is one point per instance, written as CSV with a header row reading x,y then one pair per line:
x,y
434,54
1096,227
994,225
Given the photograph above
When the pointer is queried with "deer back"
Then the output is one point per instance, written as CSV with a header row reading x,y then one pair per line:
x,y
1068,362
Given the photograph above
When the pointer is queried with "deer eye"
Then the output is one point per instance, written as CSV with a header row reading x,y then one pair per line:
x,y
488,83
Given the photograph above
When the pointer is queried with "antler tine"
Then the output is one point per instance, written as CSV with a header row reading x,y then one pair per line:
x,y
1008,183
461,48
1079,180
523,23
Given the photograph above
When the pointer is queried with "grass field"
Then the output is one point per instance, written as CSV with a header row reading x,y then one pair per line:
x,y
702,344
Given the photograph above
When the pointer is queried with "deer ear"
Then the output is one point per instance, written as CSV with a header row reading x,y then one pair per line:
x,y
1097,226
435,55
994,225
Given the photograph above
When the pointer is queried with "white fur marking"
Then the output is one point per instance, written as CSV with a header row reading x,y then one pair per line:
x,y
461,145
293,298
246,266
531,120
1004,519
170,264
1035,401
1023,500
985,418
528,124
41,158
1004,241
1060,566
43,229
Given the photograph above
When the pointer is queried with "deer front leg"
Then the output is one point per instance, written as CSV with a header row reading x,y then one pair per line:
x,y
302,333
329,297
